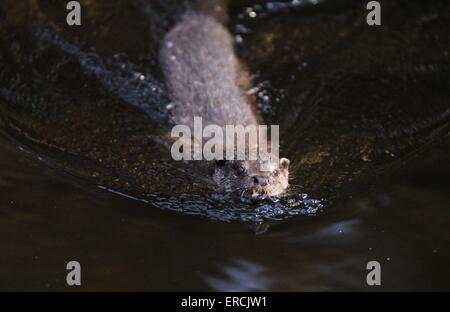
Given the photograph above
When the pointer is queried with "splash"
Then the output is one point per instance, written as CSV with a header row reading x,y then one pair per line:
x,y
221,207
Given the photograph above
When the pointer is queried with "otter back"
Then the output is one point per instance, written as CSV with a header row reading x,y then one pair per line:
x,y
202,73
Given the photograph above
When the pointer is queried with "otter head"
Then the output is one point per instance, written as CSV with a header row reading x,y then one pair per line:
x,y
253,177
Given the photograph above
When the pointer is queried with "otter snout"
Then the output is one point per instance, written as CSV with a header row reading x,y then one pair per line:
x,y
261,180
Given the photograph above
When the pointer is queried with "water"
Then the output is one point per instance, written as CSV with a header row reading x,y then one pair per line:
x,y
364,121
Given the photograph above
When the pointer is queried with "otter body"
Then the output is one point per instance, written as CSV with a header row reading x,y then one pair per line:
x,y
205,79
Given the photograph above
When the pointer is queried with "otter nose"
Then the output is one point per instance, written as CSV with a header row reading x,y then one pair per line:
x,y
261,180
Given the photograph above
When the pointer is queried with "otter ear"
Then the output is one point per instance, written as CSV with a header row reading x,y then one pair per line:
x,y
284,163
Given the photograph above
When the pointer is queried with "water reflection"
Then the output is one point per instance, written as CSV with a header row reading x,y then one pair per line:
x,y
240,275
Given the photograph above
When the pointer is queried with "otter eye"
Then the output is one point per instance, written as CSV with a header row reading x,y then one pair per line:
x,y
276,172
240,170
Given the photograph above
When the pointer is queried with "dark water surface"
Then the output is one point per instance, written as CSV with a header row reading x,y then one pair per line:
x,y
85,175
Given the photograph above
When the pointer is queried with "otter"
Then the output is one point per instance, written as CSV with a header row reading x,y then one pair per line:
x,y
205,78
